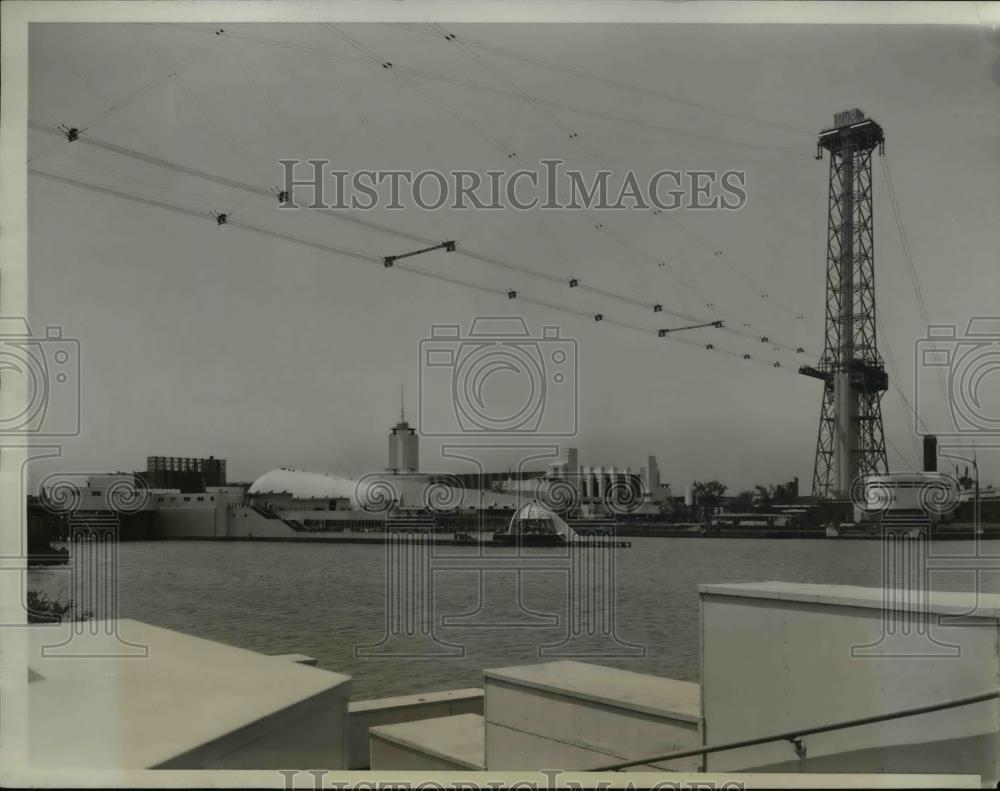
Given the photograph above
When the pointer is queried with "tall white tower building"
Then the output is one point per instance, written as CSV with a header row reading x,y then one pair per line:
x,y
404,444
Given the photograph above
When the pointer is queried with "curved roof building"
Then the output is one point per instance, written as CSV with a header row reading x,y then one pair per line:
x,y
377,491
302,485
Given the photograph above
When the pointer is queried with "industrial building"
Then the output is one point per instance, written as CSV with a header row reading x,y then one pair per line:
x,y
184,473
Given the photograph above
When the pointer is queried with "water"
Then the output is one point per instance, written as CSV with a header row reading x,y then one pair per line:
x,y
326,599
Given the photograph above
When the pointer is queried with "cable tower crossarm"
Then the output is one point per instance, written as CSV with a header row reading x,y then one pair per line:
x,y
390,260
663,332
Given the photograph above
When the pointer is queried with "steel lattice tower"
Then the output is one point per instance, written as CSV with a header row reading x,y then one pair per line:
x,y
851,443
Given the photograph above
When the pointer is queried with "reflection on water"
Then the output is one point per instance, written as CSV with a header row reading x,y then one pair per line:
x,y
325,600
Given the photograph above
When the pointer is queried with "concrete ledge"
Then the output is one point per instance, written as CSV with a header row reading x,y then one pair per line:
x,y
366,714
576,716
302,659
620,689
982,605
443,743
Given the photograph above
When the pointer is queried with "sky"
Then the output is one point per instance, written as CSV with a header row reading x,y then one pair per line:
x,y
201,339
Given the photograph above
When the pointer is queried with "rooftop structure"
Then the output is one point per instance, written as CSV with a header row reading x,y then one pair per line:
x,y
189,474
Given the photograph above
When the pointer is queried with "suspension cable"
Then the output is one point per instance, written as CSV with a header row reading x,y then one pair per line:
x,y
371,258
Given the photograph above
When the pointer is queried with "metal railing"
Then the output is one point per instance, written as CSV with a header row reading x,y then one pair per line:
x,y
796,736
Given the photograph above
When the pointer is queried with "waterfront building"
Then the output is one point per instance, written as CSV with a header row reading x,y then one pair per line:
x,y
189,474
189,497
599,490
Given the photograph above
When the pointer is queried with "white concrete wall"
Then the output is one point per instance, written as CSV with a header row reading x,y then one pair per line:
x,y
771,663
366,714
389,756
190,520
310,734
452,743
123,694
532,728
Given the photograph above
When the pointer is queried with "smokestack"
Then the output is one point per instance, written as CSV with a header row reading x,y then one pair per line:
x,y
930,453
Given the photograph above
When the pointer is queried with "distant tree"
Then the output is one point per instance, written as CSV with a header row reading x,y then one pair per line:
x,y
708,494
780,494
763,495
785,493
742,502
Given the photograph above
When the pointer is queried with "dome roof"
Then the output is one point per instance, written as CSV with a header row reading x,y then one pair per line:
x,y
535,511
303,485
375,491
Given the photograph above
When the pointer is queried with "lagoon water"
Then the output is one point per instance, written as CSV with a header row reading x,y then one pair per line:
x,y
332,601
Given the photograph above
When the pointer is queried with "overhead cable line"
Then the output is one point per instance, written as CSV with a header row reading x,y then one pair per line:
x,y
374,259
577,140
910,265
482,257
695,138
226,182
74,133
372,56
169,72
618,85
388,65
375,57
581,142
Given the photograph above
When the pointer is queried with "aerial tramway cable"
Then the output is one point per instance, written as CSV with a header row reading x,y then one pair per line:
x,y
491,260
693,137
372,56
575,138
72,134
621,86
371,258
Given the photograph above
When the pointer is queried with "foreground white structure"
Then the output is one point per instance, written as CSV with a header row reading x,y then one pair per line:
x,y
778,660
127,695
780,656
792,677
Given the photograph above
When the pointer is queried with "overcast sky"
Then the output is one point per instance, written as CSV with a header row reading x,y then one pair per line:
x,y
199,339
